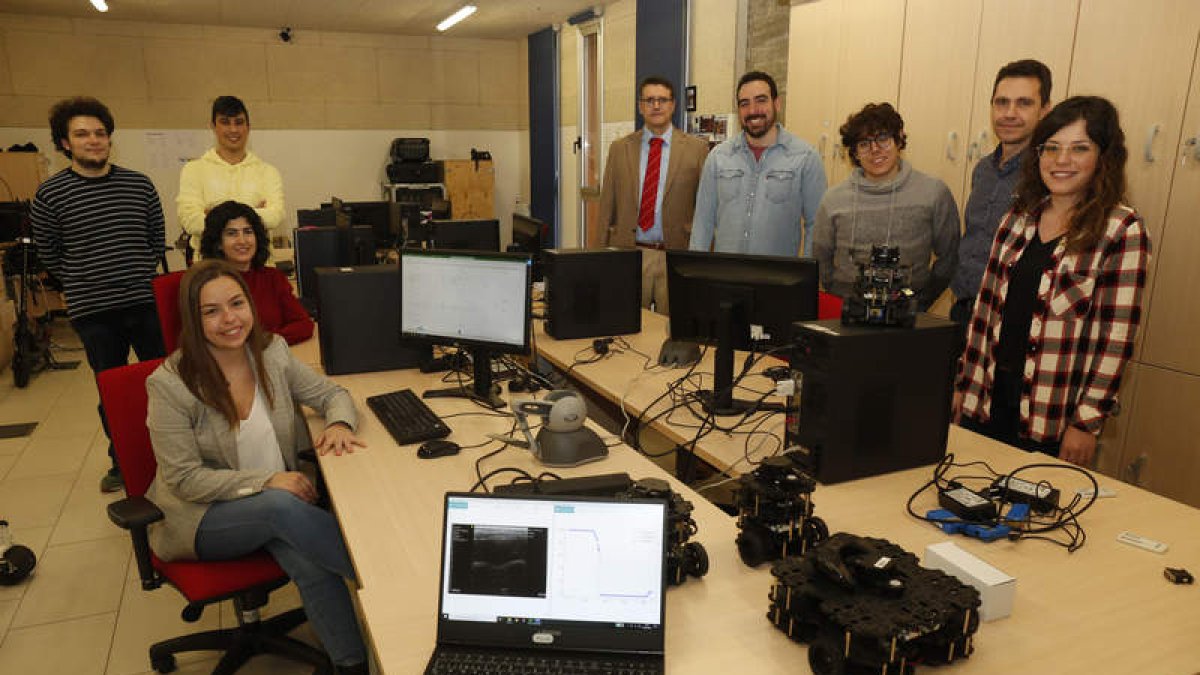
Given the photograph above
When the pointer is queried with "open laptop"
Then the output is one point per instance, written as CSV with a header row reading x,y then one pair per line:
x,y
552,584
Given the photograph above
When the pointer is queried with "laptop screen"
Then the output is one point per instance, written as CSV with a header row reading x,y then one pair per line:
x,y
555,572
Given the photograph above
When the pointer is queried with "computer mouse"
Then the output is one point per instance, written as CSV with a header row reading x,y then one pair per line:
x,y
439,447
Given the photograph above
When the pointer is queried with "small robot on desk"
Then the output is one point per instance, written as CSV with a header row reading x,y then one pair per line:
x,y
881,295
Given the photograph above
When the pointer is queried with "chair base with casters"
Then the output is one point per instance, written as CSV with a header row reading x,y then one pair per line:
x,y
247,581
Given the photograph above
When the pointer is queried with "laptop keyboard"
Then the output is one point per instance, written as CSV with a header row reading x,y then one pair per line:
x,y
462,662
406,417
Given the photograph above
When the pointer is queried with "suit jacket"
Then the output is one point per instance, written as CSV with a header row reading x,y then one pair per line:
x,y
620,196
197,450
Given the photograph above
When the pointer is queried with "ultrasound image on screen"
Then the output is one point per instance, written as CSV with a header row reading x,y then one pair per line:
x,y
498,560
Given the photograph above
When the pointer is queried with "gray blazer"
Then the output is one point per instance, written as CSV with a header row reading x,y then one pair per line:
x,y
197,450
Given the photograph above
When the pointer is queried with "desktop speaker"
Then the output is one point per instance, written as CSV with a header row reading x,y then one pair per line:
x,y
360,321
592,292
872,399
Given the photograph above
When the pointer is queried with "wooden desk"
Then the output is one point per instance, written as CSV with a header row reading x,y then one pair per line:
x,y
622,379
1104,609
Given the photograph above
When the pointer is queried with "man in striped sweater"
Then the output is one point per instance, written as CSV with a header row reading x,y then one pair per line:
x,y
99,230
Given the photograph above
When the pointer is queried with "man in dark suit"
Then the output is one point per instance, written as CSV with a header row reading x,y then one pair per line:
x,y
649,191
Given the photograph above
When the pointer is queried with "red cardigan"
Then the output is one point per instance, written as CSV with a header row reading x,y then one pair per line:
x,y
278,309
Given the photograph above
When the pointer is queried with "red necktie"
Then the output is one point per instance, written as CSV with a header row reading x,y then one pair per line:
x,y
650,185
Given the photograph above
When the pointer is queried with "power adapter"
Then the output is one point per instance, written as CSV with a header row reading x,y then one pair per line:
x,y
1041,497
967,504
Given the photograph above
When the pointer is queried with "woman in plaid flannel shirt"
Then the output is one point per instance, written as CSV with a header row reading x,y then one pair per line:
x,y
1060,300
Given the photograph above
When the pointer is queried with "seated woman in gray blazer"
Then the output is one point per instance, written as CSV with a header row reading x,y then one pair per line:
x,y
222,418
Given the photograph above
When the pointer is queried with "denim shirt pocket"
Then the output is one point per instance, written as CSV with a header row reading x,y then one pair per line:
x,y
779,185
729,183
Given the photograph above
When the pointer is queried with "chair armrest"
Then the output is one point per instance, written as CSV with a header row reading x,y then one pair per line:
x,y
135,514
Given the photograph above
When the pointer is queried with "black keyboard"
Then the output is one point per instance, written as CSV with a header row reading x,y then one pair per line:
x,y
471,662
406,417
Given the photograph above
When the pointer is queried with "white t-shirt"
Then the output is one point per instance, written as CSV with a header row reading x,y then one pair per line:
x,y
258,448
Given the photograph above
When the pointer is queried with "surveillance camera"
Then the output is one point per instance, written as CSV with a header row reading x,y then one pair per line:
x,y
285,35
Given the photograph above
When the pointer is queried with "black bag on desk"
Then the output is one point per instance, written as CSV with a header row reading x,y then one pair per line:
x,y
360,321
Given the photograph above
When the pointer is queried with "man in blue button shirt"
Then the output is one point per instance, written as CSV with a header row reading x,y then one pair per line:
x,y
761,187
1020,98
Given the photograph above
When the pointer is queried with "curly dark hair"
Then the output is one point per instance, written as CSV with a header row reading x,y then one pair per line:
x,y
873,119
219,217
1107,189
66,109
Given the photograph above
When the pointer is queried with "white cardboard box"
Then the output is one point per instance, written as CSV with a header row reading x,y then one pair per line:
x,y
996,589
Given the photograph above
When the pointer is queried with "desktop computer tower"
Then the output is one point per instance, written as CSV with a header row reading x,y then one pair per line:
x,y
592,292
360,321
315,247
872,399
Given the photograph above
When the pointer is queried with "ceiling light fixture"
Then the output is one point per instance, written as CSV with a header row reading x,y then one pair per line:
x,y
454,18
100,5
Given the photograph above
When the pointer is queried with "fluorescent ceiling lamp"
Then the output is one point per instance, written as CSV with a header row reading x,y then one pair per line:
x,y
100,5
449,21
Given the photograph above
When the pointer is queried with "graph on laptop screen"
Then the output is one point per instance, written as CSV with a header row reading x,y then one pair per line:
x,y
550,561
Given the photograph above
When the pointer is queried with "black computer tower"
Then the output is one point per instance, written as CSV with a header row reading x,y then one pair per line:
x,y
872,399
592,292
315,247
360,321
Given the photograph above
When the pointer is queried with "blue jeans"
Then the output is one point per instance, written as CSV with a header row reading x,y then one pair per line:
x,y
107,337
307,544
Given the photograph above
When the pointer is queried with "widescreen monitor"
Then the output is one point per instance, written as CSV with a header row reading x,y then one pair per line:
x,y
471,235
476,300
737,301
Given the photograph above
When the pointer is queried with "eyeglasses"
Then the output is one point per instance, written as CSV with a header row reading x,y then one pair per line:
x,y
655,101
1074,150
883,141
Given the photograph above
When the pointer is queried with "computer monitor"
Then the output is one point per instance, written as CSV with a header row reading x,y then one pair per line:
x,y
527,237
477,300
737,302
383,217
473,235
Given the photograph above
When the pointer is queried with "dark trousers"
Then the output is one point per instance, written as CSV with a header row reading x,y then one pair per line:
x,y
1005,422
107,337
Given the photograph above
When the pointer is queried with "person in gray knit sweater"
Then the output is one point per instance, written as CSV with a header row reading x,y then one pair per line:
x,y
885,201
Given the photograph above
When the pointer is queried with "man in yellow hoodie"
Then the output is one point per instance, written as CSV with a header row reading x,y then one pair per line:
x,y
228,171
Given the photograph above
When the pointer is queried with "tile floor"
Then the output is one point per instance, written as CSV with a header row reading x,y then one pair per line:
x,y
83,611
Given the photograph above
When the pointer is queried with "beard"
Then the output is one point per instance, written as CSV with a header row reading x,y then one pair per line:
x,y
91,164
768,124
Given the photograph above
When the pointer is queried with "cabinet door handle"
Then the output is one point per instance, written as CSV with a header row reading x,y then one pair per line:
x,y
1192,148
952,146
824,145
1150,136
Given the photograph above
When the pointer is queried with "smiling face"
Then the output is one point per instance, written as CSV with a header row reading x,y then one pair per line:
x,y
238,243
232,132
1068,161
879,156
1016,108
757,110
88,142
225,314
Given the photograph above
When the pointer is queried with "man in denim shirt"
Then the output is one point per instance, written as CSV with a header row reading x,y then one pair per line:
x,y
1020,98
760,187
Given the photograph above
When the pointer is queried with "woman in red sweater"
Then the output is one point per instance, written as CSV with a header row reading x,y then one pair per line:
x,y
234,232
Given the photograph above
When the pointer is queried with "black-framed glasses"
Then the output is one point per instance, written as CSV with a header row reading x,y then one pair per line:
x,y
882,140
655,101
1076,150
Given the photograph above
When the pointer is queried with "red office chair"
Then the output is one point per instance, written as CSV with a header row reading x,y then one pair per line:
x,y
166,298
828,306
247,581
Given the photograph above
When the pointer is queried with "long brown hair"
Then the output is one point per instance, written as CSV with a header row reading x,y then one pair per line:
x,y
1107,188
197,367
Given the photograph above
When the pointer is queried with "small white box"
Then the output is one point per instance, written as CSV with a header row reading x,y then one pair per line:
x,y
996,589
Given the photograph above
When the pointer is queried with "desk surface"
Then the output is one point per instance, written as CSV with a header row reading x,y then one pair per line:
x,y
1105,608
623,379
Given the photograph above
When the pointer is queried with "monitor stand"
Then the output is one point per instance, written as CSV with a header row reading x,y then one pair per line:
x,y
481,390
720,401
